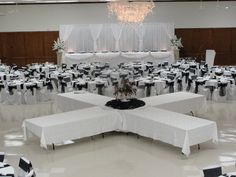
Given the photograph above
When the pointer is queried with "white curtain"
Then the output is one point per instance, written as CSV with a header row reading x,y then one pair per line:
x,y
117,37
116,31
95,31
65,32
140,31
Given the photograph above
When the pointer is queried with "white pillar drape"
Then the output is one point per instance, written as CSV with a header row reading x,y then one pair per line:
x,y
140,31
117,37
116,31
95,31
65,32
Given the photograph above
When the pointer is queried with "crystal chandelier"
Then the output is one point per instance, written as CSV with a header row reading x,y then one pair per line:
x,y
130,12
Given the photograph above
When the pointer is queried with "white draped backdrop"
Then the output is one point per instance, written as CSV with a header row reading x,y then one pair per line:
x,y
117,37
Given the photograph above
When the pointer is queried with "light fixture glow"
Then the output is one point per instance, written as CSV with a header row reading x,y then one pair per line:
x,y
130,12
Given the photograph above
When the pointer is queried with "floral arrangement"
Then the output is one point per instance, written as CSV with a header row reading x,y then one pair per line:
x,y
58,45
125,90
176,43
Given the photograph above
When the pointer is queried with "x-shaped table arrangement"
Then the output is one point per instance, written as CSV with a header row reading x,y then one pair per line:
x,y
163,118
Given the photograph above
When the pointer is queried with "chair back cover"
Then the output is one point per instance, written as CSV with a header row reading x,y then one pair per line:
x,y
214,171
25,164
2,155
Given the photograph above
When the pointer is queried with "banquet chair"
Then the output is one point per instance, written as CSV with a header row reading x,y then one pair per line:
x,y
149,89
25,167
54,82
80,86
31,173
140,90
203,71
210,57
212,93
169,86
43,94
3,95
231,92
69,86
222,91
2,156
7,175
64,66
100,88
185,78
213,171
30,96
191,84
14,98
179,83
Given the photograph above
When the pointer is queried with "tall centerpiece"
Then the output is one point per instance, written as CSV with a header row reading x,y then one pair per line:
x,y
176,43
125,93
125,90
59,46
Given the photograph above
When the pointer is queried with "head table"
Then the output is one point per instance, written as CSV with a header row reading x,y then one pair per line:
x,y
115,58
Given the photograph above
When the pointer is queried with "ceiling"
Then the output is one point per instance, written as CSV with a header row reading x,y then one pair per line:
x,y
7,2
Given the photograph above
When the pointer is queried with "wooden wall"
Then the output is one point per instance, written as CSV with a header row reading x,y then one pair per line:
x,y
23,48
196,41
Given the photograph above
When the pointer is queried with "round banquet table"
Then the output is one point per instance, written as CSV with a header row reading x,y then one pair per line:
x,y
127,104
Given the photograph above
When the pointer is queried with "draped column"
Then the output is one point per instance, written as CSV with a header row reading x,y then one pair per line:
x,y
95,31
116,31
65,32
104,37
140,31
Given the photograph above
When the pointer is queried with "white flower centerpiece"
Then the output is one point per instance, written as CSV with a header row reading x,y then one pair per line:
x,y
125,90
176,44
59,46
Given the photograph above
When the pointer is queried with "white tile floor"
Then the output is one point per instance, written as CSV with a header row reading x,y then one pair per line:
x,y
119,155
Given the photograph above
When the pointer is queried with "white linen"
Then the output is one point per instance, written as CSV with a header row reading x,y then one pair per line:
x,y
71,101
181,102
170,127
6,170
210,57
72,125
115,58
110,37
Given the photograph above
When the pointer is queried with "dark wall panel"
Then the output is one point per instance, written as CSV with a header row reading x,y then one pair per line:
x,y
23,48
27,47
222,40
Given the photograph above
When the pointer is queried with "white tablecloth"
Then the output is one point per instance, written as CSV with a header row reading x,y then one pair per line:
x,y
167,126
173,128
115,58
181,102
6,170
72,125
71,101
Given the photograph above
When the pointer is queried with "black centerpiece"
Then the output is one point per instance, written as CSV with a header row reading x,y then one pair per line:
x,y
129,104
124,96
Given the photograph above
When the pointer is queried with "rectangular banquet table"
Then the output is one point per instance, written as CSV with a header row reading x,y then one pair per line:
x,y
170,127
115,58
181,102
72,125
71,101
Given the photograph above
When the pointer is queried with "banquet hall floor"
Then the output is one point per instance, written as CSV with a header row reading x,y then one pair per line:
x,y
119,155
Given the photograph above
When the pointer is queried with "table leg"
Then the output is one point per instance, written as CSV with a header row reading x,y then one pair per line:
x,y
53,146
